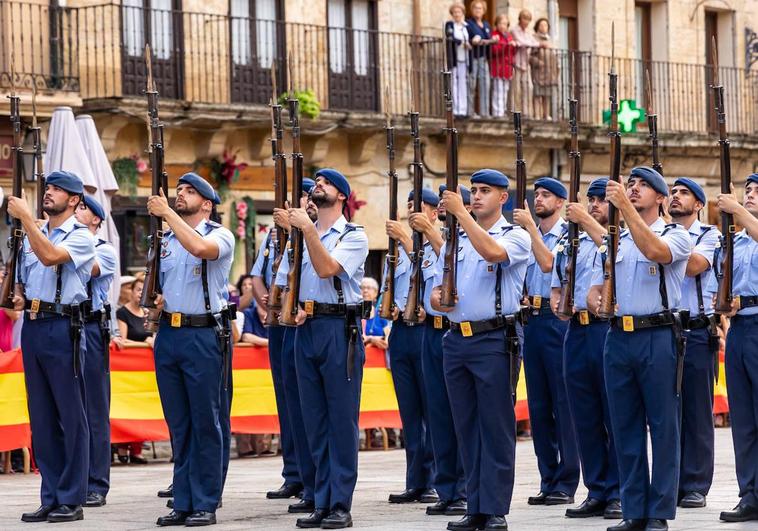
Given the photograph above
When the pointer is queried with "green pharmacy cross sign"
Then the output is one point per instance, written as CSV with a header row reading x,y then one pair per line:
x,y
629,116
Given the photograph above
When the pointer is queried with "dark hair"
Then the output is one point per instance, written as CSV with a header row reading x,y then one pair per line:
x,y
537,24
241,281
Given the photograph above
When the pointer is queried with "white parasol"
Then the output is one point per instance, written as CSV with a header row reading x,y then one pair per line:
x,y
65,150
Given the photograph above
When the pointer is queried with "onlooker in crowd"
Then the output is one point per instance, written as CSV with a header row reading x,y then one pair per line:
x,y
501,64
375,329
521,85
480,37
544,70
126,288
457,46
7,318
253,330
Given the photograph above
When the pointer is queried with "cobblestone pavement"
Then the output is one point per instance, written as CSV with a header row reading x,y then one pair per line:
x,y
132,503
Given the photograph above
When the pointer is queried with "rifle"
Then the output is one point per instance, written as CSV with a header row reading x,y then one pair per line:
x,y
152,287
16,239
388,293
652,126
608,302
280,200
449,268
291,293
39,174
520,162
413,302
568,281
725,260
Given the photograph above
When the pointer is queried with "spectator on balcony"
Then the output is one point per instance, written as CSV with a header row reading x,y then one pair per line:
x,y
480,37
544,70
501,64
457,46
521,85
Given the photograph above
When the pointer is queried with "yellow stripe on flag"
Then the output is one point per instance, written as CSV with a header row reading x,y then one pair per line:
x,y
13,399
134,395
378,391
253,393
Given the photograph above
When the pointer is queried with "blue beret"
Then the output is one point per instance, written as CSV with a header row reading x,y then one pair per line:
x,y
66,181
491,177
427,196
597,188
202,186
338,180
651,177
552,185
94,206
465,193
753,178
308,185
695,188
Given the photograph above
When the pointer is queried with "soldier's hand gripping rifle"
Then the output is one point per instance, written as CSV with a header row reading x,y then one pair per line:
x,y
280,200
413,303
388,292
652,127
448,295
608,292
159,180
291,293
16,239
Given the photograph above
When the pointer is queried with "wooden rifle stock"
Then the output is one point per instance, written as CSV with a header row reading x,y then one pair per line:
x,y
520,162
449,267
413,302
280,200
388,292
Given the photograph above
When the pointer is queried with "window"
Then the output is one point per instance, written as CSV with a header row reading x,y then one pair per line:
x,y
133,27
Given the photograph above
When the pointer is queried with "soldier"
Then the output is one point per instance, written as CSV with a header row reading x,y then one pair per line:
x,y
583,362
701,354
552,431
742,350
191,352
405,343
329,351
481,349
96,366
54,268
643,350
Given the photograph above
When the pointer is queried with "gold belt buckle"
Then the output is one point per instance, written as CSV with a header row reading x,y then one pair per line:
x,y
176,320
308,305
738,302
466,329
537,301
628,322
584,317
438,322
35,306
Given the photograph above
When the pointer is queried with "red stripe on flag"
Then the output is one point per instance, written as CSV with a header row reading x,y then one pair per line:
x,y
11,361
15,436
129,430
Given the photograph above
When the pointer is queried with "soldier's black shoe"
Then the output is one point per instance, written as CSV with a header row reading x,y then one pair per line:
x,y
456,508
40,515
588,508
496,522
338,518
656,524
172,518
438,508
741,513
94,499
539,499
288,490
200,518
613,510
692,500
629,525
167,493
558,498
66,513
312,520
470,522
429,496
170,503
407,496
302,506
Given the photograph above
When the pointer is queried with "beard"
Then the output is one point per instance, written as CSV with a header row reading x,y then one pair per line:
x,y
441,216
544,213
323,200
187,210
680,212
312,213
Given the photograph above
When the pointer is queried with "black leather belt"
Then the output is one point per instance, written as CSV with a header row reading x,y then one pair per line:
x,y
748,301
585,317
470,328
539,305
95,317
700,321
183,320
630,323
42,309
325,309
438,322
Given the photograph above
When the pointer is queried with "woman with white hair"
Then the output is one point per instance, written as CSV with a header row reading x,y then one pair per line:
x,y
375,329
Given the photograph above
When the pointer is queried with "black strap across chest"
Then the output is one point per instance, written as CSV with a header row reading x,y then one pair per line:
x,y
337,281
698,278
265,251
89,282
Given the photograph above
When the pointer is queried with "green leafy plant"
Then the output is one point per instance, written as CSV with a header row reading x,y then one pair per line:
x,y
127,172
309,104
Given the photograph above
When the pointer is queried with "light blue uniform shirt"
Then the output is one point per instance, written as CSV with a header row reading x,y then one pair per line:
x,y
745,279
402,277
637,278
40,281
266,253
704,248
537,282
181,271
350,253
475,282
584,261
105,255
428,271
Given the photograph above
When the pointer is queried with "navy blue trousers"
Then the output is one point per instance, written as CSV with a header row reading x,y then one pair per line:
x,y
449,479
290,471
304,461
57,415
405,363
742,385
696,474
225,420
552,430
188,369
640,377
330,404
97,384
477,373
